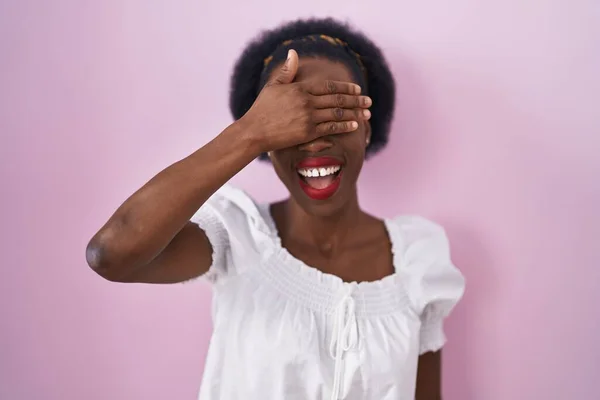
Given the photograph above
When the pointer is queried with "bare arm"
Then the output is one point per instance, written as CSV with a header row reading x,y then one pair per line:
x,y
429,376
150,239
151,229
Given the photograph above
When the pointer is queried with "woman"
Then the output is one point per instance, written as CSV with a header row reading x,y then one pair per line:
x,y
314,298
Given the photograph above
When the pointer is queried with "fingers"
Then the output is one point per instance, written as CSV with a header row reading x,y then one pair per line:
x,y
287,72
320,88
340,114
332,128
341,101
335,111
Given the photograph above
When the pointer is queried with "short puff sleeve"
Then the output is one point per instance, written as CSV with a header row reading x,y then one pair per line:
x,y
435,284
226,218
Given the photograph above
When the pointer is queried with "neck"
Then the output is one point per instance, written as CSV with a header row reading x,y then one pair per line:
x,y
327,233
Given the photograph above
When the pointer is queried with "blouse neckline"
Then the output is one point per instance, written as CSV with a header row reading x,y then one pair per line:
x,y
321,290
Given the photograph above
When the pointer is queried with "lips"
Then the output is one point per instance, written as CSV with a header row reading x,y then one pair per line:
x,y
319,177
316,162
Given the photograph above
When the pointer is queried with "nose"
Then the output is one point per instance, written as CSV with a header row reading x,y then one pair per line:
x,y
316,145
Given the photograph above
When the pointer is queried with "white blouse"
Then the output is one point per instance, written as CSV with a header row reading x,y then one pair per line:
x,y
285,330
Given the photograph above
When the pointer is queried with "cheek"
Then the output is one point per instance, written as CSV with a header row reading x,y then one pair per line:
x,y
280,168
355,143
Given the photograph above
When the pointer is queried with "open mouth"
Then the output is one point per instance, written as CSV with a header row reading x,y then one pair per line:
x,y
320,178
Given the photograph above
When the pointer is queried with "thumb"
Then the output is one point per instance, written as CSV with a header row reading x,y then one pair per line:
x,y
287,72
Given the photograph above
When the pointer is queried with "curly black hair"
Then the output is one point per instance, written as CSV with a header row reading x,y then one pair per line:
x,y
364,59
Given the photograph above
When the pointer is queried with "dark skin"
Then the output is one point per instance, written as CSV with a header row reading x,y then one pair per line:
x,y
312,108
336,236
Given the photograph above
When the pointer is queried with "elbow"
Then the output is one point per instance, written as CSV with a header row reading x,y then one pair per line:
x,y
99,259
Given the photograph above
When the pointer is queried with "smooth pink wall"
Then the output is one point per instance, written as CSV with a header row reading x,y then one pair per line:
x,y
497,137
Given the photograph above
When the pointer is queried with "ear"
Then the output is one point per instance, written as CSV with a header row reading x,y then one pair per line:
x,y
367,135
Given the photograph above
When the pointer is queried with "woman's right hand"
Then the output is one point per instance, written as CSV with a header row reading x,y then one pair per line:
x,y
150,239
288,113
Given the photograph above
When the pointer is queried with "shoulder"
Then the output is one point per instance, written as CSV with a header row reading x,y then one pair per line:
x,y
231,205
234,227
231,198
418,236
235,214
424,260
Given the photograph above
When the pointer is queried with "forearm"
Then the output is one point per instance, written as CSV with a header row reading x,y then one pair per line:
x,y
149,219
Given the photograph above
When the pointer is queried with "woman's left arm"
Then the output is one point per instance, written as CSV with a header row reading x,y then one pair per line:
x,y
429,376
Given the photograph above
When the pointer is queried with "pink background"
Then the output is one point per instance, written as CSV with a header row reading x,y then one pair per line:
x,y
497,137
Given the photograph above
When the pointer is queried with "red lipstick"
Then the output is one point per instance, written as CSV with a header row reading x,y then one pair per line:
x,y
316,162
322,193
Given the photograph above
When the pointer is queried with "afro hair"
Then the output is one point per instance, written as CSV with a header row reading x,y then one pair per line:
x,y
373,75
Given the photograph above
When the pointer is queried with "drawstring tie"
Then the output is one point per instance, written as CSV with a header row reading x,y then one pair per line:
x,y
344,336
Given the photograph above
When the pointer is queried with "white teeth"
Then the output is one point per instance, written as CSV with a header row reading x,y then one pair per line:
x,y
323,171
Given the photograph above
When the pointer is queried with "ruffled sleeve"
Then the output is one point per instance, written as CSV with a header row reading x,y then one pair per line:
x,y
210,219
227,218
435,284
